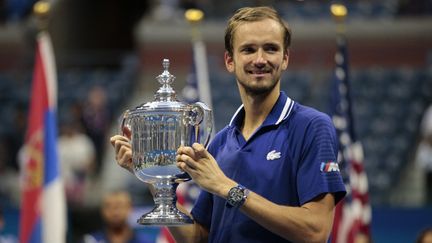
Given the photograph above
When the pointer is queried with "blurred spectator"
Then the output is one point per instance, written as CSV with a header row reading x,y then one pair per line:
x,y
424,152
16,134
77,159
4,237
116,209
9,186
425,236
12,137
96,119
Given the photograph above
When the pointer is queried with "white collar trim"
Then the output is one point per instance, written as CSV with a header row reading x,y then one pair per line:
x,y
235,114
286,110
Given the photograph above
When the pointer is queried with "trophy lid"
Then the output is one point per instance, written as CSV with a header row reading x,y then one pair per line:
x,y
165,97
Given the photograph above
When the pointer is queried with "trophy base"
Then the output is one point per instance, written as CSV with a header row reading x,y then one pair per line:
x,y
166,217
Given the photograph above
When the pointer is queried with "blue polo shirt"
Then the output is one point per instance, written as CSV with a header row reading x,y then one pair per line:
x,y
290,160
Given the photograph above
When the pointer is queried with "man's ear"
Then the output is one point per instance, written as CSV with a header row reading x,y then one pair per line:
x,y
229,62
285,60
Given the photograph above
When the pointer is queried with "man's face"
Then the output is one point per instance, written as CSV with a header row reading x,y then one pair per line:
x,y
258,56
116,209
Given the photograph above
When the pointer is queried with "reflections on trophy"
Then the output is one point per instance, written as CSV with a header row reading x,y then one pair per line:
x,y
158,128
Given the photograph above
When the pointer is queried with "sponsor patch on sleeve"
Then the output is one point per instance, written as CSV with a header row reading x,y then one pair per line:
x,y
330,166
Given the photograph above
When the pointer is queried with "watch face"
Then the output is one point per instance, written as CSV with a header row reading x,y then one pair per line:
x,y
236,196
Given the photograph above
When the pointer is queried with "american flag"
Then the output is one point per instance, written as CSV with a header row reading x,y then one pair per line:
x,y
197,89
353,213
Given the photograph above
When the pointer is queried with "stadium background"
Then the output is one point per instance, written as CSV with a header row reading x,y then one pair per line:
x,y
119,45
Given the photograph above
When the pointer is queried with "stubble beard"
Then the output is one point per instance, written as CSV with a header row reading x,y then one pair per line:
x,y
257,90
262,87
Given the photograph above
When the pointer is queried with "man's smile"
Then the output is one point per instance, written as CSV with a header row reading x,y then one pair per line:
x,y
258,71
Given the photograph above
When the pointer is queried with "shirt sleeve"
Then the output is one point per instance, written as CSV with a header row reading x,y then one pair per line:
x,y
318,169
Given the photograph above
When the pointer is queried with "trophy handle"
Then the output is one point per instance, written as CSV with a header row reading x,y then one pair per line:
x,y
202,120
125,127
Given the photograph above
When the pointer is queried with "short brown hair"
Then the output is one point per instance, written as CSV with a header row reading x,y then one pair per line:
x,y
251,14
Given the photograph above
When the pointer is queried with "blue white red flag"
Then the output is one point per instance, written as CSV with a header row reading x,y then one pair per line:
x,y
43,205
353,213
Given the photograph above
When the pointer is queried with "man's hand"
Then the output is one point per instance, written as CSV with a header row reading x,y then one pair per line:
x,y
203,169
123,151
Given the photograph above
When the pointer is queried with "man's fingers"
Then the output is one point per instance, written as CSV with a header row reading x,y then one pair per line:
x,y
125,160
182,166
118,145
199,150
188,160
186,150
123,151
116,138
185,162
186,168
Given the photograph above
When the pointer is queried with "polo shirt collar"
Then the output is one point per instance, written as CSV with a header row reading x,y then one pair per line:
x,y
280,112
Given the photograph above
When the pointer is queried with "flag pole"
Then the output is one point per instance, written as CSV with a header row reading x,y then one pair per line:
x,y
41,10
195,18
43,206
339,13
353,214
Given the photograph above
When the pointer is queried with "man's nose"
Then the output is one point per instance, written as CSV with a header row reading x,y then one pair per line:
x,y
260,58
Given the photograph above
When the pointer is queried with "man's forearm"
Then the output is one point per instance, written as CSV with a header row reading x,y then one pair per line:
x,y
310,223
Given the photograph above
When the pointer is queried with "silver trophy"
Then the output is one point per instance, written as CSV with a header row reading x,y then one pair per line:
x,y
156,130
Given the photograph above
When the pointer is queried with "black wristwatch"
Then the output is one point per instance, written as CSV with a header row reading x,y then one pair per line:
x,y
236,196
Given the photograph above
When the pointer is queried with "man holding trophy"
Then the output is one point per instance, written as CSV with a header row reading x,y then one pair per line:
x,y
271,175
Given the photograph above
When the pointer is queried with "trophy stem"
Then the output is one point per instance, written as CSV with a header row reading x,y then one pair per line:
x,y
165,211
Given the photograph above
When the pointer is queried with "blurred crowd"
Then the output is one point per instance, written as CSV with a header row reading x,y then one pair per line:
x,y
81,143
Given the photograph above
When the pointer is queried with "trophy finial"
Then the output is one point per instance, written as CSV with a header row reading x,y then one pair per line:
x,y
165,64
165,92
165,77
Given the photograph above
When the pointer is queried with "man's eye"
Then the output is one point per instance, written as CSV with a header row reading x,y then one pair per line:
x,y
248,50
272,49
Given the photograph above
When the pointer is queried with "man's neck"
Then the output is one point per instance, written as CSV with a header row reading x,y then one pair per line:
x,y
257,108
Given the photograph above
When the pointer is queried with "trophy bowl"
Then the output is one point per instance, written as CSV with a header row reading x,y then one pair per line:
x,y
157,130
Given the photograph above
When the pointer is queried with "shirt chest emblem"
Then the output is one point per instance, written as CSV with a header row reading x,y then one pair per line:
x,y
272,155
